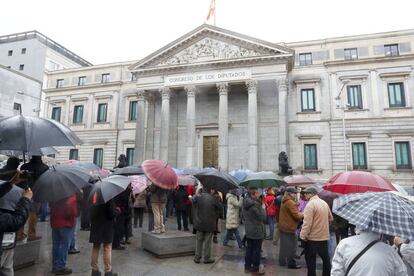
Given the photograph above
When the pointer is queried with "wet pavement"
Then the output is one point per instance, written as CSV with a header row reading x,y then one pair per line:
x,y
134,261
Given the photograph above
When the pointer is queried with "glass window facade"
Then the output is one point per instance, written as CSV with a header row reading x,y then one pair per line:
x,y
59,83
308,100
98,157
82,81
354,96
130,156
105,78
102,110
403,155
311,157
391,50
78,114
56,112
359,156
305,59
396,96
132,111
351,53
73,154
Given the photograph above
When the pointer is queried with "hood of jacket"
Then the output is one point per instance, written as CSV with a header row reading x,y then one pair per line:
x,y
248,202
230,195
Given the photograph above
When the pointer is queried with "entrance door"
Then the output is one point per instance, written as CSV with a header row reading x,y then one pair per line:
x,y
210,151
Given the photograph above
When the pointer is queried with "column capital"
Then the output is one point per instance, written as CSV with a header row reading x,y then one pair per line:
x,y
165,93
283,84
191,90
141,94
251,86
223,88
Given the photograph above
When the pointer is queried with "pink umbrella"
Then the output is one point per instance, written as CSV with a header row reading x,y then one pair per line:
x,y
187,180
160,173
298,180
139,183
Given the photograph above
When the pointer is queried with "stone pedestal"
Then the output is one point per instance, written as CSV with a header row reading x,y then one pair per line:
x,y
169,244
26,254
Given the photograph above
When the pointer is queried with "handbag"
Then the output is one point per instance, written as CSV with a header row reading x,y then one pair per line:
x,y
359,256
9,240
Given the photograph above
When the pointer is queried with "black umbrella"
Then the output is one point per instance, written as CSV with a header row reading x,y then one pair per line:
x,y
108,188
60,182
130,170
31,134
192,170
217,180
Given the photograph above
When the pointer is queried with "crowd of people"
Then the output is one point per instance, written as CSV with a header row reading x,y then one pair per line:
x,y
298,221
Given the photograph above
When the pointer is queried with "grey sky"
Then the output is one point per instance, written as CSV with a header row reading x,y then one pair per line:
x,y
103,31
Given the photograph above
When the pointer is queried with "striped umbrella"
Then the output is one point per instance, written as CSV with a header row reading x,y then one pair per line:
x,y
160,173
380,212
139,183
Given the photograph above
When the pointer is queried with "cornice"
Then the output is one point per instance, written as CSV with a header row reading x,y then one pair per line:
x,y
368,60
83,87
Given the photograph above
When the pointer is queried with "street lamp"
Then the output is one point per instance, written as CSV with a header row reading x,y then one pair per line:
x,y
342,105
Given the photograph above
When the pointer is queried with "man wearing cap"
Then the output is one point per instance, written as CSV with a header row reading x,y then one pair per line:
x,y
315,231
289,218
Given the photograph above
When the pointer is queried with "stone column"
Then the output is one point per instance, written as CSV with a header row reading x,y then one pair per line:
x,y
252,124
68,121
149,142
283,116
165,123
191,92
139,152
376,106
223,127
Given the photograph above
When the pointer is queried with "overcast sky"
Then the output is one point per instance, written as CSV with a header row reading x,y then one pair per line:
x,y
103,31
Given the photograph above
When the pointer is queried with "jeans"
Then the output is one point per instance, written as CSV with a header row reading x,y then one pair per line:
x,y
6,264
287,250
43,212
61,241
138,215
182,214
271,223
73,237
252,259
321,248
203,244
331,244
229,233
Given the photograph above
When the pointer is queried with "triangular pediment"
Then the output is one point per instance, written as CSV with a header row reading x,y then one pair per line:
x,y
210,44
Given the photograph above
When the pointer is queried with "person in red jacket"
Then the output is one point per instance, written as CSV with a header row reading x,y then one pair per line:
x,y
270,211
62,219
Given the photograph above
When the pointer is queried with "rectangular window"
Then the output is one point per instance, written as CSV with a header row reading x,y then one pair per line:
x,y
359,156
308,100
98,157
130,156
74,154
132,111
10,53
56,111
17,106
305,59
82,81
102,108
105,78
133,77
51,155
351,53
396,96
391,50
59,83
354,96
78,114
21,67
311,157
403,155
23,51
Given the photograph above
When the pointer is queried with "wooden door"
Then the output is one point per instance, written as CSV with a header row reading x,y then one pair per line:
x,y
210,151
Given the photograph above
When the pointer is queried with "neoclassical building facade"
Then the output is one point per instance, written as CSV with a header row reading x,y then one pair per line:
x,y
219,98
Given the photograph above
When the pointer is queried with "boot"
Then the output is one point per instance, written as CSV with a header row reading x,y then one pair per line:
x,y
110,273
96,273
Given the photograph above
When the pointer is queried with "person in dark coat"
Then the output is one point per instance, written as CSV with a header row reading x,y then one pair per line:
x,y
36,168
122,202
102,232
180,198
85,210
207,210
255,218
150,213
8,171
12,221
170,204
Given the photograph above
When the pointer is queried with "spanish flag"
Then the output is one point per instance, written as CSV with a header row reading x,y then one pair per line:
x,y
212,10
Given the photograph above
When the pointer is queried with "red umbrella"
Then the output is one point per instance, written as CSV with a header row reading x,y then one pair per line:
x,y
299,180
139,183
160,173
358,182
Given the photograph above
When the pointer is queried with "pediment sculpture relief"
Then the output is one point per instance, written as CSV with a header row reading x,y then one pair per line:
x,y
209,49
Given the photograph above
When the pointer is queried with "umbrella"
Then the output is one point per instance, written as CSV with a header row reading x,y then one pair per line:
x,y
60,182
400,189
325,195
380,212
139,183
30,134
187,180
130,170
92,168
160,173
298,180
3,157
178,171
108,188
191,170
262,180
358,182
9,200
240,174
214,179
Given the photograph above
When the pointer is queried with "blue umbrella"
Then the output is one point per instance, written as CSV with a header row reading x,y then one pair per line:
x,y
241,174
178,171
387,213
